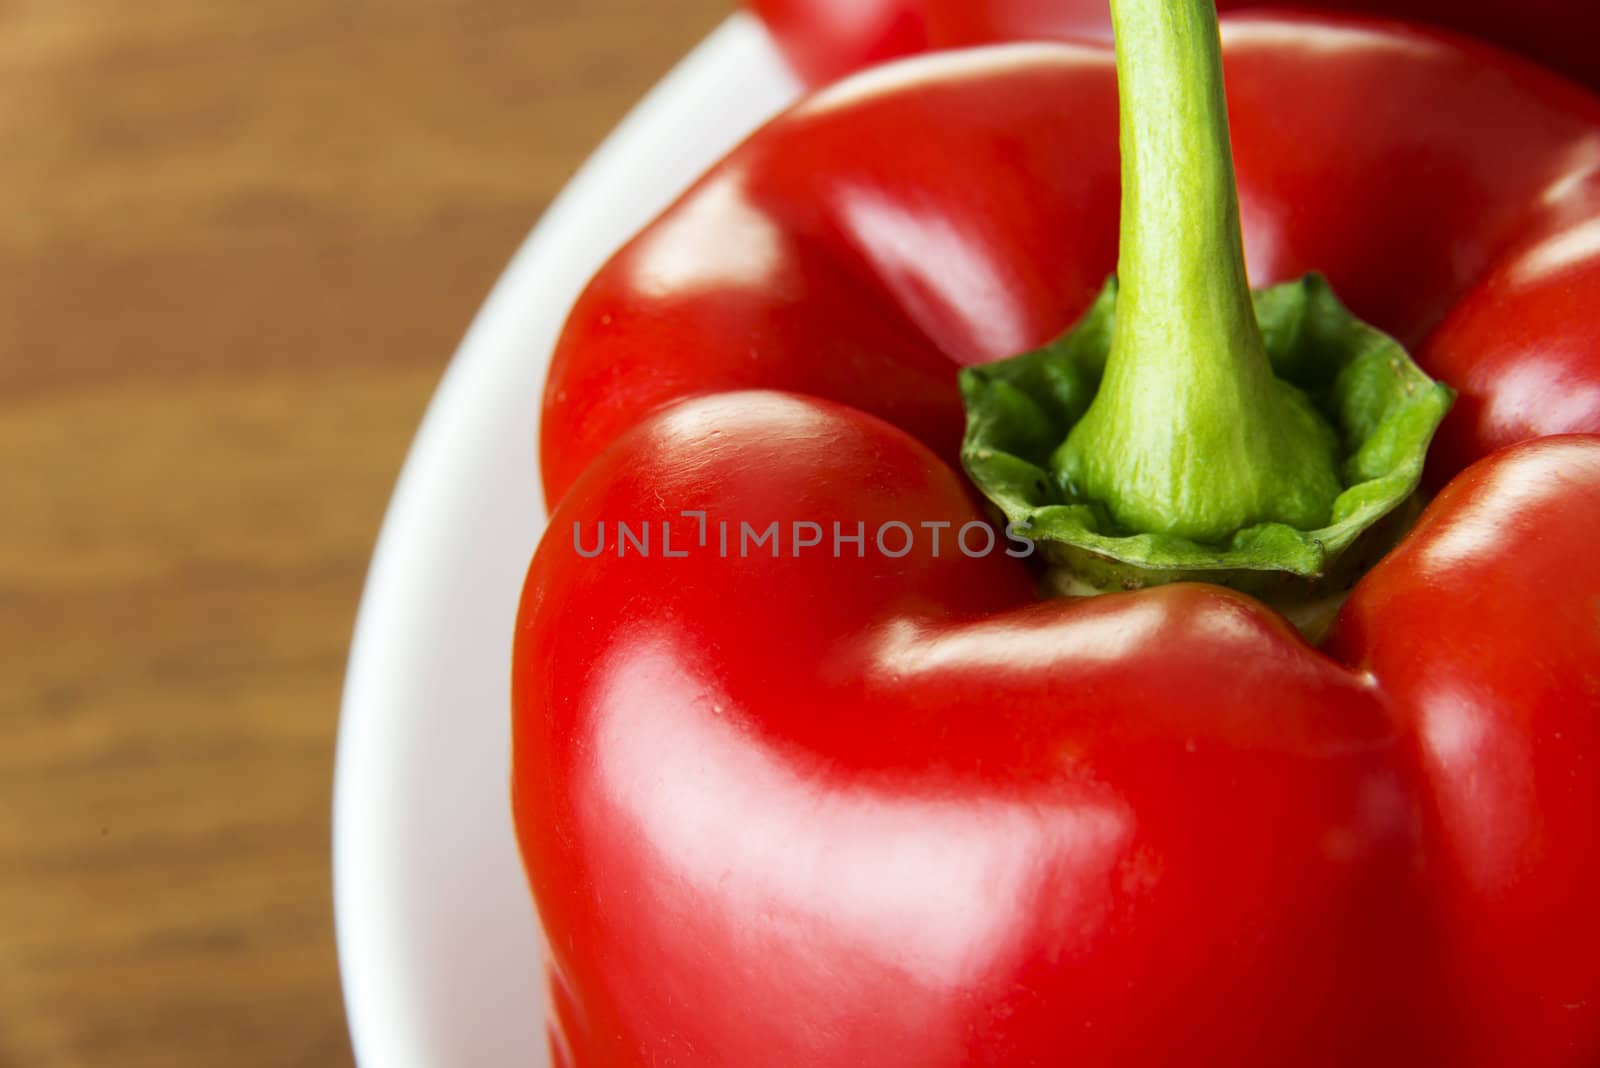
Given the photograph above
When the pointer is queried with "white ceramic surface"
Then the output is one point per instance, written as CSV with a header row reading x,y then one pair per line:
x,y
438,944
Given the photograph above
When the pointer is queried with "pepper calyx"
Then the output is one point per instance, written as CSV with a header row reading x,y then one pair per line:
x,y
1383,409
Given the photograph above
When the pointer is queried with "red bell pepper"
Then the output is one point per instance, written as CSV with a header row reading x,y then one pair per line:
x,y
824,39
807,773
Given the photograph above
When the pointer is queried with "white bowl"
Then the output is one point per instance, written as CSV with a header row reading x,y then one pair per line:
x,y
439,948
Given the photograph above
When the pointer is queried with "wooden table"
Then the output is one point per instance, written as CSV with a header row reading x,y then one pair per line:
x,y
239,242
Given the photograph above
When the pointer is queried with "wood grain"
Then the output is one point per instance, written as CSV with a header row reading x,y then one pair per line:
x,y
240,241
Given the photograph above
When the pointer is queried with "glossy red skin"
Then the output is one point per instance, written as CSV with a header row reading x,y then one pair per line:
x,y
826,39
815,812
1483,631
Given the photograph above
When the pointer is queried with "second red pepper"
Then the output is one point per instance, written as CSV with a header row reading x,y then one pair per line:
x,y
825,39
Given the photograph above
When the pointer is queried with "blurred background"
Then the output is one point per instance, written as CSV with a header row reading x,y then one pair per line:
x,y
238,244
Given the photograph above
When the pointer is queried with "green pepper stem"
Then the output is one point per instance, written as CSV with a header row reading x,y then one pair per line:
x,y
1190,433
